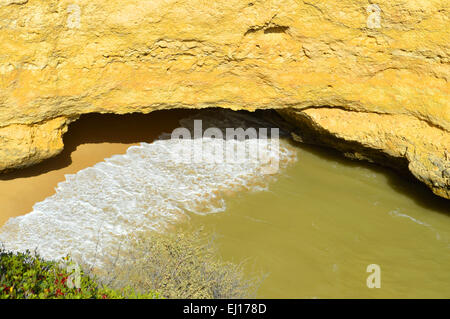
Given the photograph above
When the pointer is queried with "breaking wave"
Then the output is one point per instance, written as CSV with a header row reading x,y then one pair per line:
x,y
148,188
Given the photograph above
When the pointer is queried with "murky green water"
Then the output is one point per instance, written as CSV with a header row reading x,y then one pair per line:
x,y
322,222
326,219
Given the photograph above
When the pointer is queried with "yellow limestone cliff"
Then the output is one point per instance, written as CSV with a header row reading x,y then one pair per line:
x,y
369,75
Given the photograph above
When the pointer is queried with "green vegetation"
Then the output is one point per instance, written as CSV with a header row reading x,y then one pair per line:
x,y
181,264
27,276
155,265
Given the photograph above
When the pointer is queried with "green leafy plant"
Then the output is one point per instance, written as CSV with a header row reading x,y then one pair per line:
x,y
27,276
182,264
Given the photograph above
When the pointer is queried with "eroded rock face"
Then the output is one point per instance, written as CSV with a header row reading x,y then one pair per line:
x,y
399,141
350,64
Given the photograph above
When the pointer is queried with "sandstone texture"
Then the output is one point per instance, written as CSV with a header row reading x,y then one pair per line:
x,y
398,141
360,75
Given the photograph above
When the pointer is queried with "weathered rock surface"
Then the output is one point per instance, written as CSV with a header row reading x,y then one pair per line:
x,y
398,141
376,80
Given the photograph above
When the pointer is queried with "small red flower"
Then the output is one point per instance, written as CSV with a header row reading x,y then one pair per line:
x,y
58,292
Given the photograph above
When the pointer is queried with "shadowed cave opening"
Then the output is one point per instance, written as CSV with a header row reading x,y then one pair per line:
x,y
131,129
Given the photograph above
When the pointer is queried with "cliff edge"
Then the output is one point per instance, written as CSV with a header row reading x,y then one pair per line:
x,y
357,74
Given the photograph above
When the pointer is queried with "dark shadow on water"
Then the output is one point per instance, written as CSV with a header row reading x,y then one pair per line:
x,y
404,183
135,128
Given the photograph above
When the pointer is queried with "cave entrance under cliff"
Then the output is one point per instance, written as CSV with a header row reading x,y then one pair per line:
x,y
94,137
88,141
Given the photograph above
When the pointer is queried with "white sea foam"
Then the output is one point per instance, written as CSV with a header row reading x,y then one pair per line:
x,y
398,214
144,189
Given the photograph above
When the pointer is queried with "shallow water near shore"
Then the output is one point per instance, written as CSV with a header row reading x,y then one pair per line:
x,y
326,219
149,188
89,140
313,228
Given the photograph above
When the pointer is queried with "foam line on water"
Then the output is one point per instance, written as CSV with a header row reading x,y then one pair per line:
x,y
147,188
